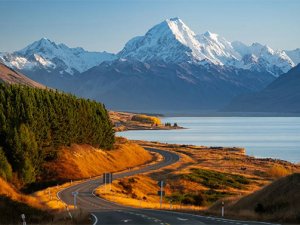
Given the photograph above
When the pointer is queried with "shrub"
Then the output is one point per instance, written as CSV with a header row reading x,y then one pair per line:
x,y
278,171
217,180
146,119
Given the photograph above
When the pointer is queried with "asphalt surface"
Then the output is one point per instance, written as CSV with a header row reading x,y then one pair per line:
x,y
105,212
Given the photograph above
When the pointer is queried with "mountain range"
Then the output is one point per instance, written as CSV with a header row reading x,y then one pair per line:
x,y
168,68
282,95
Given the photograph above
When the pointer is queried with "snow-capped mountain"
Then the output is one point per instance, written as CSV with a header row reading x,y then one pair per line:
x,y
51,56
294,55
169,41
169,68
262,58
173,41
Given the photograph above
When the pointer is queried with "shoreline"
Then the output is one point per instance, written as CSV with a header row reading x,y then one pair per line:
x,y
281,149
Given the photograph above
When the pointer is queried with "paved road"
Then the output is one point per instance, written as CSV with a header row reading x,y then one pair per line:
x,y
105,212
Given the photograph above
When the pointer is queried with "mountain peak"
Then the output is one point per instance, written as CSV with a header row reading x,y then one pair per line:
x,y
43,45
174,19
211,35
171,41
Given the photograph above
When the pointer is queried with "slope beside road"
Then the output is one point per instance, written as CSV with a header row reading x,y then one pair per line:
x,y
105,212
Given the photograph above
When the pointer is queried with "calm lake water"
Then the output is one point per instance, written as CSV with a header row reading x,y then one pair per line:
x,y
274,137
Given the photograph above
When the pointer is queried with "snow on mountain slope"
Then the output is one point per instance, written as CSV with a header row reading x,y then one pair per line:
x,y
217,49
49,55
262,57
173,41
294,55
169,41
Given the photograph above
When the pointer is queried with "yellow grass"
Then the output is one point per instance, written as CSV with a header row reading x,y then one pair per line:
x,y
83,161
10,191
226,160
142,193
146,119
79,162
278,171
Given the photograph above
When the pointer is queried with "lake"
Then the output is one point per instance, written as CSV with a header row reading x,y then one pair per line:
x,y
267,137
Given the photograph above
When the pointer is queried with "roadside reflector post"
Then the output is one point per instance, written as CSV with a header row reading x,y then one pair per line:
x,y
75,193
23,219
161,193
222,212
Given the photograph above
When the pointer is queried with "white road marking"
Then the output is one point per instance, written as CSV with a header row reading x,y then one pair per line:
x,y
182,219
96,219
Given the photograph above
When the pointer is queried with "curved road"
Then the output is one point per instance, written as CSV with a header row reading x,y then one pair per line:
x,y
105,212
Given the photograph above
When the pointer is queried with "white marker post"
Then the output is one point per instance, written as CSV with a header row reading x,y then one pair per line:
x,y
75,193
23,218
222,209
161,192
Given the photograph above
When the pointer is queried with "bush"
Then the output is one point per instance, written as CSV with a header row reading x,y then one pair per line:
x,y
278,171
217,180
146,119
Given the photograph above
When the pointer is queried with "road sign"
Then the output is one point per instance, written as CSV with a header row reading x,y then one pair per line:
x,y
107,178
75,193
161,193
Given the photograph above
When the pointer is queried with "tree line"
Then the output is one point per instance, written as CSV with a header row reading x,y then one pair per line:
x,y
34,123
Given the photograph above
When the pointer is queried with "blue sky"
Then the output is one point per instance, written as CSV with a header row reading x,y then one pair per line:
x,y
100,25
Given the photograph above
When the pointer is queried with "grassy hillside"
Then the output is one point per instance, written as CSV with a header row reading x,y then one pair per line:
x,y
83,161
35,123
203,177
279,201
10,76
13,204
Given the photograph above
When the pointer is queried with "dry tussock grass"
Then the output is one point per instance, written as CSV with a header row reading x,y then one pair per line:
x,y
83,161
277,171
8,190
79,162
259,172
139,191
